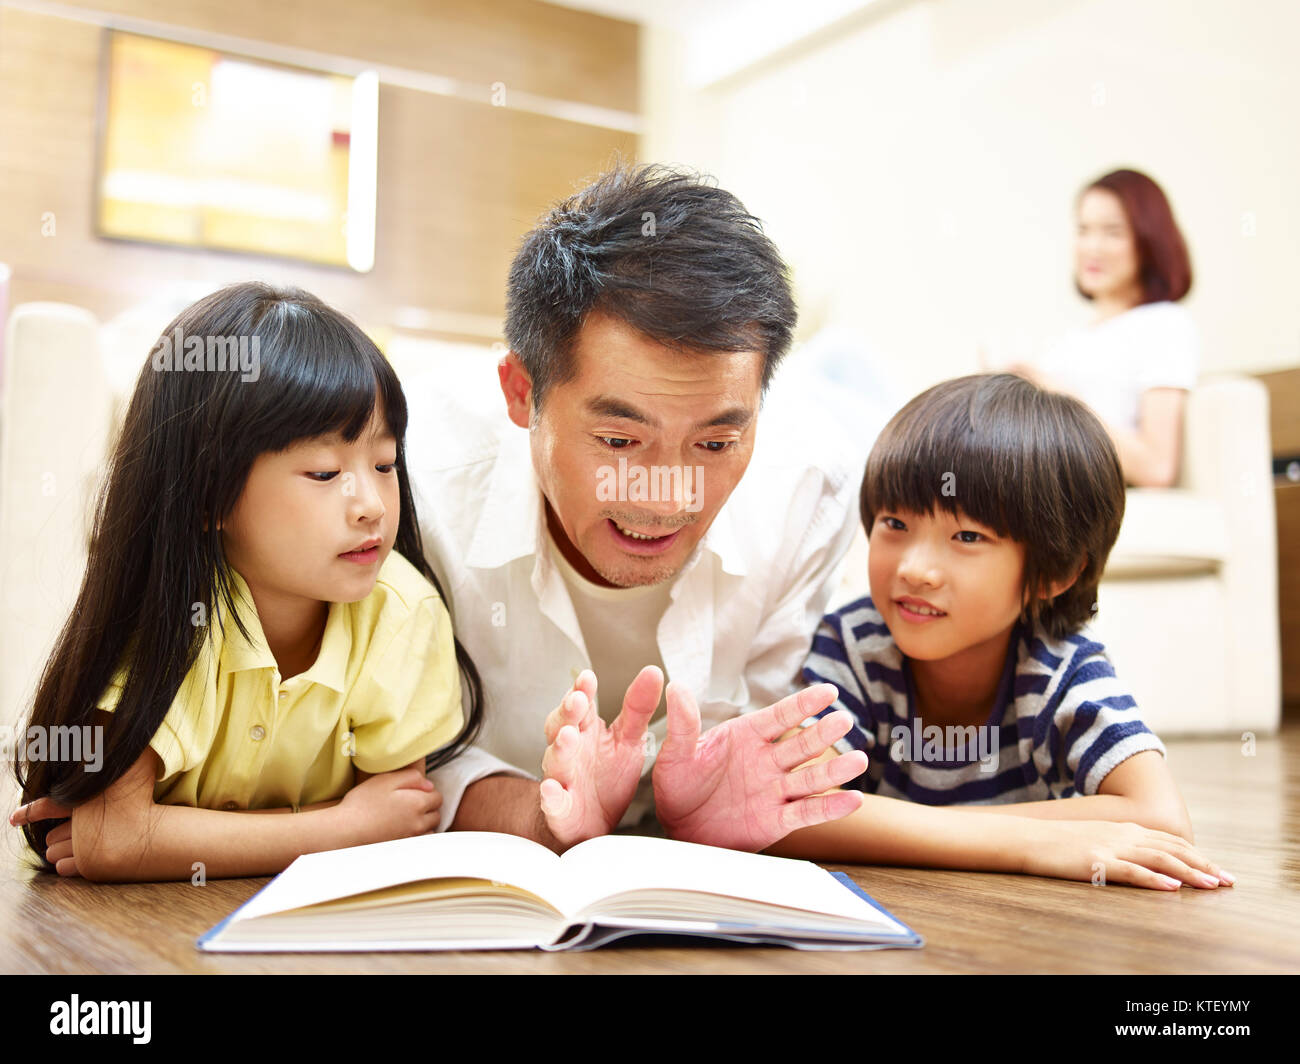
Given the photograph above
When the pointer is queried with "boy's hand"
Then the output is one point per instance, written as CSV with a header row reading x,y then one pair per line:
x,y
392,805
58,841
1092,850
736,787
590,771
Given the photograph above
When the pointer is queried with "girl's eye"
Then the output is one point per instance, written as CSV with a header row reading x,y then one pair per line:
x,y
322,478
717,446
388,468
967,536
616,442
893,523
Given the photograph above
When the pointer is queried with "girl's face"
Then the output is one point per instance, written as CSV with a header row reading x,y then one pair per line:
x,y
316,521
943,583
1105,251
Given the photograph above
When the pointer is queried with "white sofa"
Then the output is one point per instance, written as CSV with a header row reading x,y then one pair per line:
x,y
1188,602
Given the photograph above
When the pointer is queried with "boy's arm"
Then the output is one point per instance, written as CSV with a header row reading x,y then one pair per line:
x,y
1139,790
892,831
121,835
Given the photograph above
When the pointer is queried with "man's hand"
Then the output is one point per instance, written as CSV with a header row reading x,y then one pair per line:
x,y
590,771
735,786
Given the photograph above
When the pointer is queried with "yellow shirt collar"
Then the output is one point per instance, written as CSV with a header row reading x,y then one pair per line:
x,y
238,654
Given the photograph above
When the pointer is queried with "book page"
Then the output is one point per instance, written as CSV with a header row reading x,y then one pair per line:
x,y
613,864
318,877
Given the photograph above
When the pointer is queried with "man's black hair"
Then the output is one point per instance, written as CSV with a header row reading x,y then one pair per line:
x,y
665,251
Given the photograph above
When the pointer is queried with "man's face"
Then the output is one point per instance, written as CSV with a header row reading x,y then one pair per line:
x,y
637,452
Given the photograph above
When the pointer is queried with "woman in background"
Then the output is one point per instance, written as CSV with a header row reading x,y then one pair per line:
x,y
1135,362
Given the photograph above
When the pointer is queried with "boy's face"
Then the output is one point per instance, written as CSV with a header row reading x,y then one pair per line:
x,y
944,584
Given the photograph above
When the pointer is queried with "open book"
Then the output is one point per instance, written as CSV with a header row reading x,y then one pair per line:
x,y
484,890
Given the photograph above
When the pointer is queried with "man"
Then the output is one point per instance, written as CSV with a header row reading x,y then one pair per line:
x,y
645,316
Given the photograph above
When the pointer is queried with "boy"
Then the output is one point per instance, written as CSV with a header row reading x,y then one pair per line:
x,y
991,506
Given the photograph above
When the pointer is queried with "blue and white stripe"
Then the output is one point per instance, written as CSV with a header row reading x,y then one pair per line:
x,y
1063,720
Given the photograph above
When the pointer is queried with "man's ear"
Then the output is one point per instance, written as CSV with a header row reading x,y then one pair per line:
x,y
517,387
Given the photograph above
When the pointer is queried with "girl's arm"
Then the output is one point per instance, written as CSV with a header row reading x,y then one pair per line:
x,y
1139,790
123,835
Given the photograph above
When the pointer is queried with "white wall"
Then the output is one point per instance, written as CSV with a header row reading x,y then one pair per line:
x,y
918,162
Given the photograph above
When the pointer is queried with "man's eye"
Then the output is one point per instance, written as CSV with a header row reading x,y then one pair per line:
x,y
966,536
616,442
322,478
717,446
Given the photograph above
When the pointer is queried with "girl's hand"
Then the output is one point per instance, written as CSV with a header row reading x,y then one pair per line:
x,y
58,842
393,805
1103,851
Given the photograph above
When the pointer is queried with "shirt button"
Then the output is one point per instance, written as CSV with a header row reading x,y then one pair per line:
x,y
257,732
231,805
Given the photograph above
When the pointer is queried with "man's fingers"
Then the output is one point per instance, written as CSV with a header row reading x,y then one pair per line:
x,y
574,709
639,705
813,740
824,775
556,801
559,758
683,724
820,809
778,718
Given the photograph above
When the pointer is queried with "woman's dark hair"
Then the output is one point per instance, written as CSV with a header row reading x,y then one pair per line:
x,y
187,444
1030,464
663,250
1164,267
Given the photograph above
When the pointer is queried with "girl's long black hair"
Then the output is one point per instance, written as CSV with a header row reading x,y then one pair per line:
x,y
188,441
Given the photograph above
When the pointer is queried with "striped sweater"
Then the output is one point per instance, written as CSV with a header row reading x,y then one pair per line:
x,y
1060,721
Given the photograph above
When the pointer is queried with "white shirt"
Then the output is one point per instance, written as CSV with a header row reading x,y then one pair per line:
x,y
1110,364
741,612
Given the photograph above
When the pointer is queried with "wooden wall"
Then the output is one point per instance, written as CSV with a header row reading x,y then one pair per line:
x,y
460,180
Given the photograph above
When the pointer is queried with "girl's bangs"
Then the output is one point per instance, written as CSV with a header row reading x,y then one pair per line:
x,y
325,376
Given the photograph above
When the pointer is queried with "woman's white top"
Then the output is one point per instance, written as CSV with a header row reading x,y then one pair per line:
x,y
1110,364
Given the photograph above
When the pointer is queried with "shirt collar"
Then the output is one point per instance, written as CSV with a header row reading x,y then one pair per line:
x,y
239,654
511,524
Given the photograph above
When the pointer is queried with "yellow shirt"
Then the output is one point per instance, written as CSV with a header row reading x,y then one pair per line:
x,y
383,692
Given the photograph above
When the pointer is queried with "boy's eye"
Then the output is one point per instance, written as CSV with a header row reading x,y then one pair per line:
x,y
967,536
894,523
616,442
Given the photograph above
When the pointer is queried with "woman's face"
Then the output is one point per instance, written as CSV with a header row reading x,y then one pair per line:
x,y
1105,252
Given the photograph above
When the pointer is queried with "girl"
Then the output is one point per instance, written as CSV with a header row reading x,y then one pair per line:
x,y
246,638
998,736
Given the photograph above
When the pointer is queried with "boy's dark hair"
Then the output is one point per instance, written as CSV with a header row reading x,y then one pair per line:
x,y
661,249
1030,464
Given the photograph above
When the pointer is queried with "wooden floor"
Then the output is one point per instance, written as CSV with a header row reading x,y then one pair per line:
x,y
1245,808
